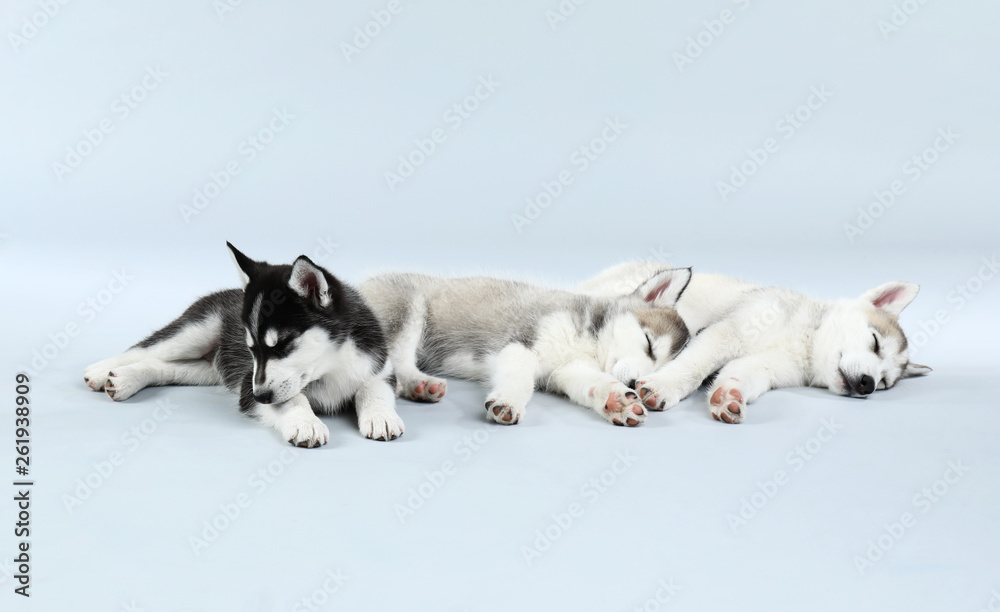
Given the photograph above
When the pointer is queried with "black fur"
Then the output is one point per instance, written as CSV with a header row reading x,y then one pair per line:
x,y
347,316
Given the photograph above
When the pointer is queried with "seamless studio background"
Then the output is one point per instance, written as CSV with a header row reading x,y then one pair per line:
x,y
824,148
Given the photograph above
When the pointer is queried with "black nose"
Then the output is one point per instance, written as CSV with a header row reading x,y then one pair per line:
x,y
264,397
865,386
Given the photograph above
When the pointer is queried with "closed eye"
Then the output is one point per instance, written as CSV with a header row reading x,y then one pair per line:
x,y
877,349
649,347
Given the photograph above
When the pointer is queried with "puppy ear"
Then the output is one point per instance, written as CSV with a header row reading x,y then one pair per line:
x,y
664,288
248,267
309,281
892,297
915,369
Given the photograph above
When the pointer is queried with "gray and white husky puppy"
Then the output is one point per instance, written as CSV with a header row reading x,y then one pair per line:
x,y
295,340
515,336
762,338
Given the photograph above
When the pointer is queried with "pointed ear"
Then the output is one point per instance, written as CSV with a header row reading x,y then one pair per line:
x,y
664,288
892,297
248,267
915,369
309,281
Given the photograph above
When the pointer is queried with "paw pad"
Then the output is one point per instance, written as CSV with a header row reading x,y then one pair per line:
x,y
624,410
727,405
502,413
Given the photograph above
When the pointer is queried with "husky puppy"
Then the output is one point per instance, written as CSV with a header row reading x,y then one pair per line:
x,y
514,335
295,340
762,338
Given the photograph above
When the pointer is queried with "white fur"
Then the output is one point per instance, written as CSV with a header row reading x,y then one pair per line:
x,y
186,345
295,421
766,338
307,278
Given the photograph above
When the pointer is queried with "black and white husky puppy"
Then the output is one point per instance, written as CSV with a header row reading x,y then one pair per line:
x,y
514,335
293,341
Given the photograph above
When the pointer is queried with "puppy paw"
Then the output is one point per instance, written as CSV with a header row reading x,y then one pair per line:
x,y
727,404
305,431
502,411
656,396
96,376
382,425
624,408
122,383
427,389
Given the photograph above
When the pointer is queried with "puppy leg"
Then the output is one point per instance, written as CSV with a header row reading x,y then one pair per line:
x,y
513,379
377,418
294,420
585,384
745,379
186,339
125,381
411,383
715,346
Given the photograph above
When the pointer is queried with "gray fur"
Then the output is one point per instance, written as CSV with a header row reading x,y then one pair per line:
x,y
475,319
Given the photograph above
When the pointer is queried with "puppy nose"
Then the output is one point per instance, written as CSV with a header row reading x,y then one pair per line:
x,y
865,386
264,397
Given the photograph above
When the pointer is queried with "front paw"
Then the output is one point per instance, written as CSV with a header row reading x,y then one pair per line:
x,y
382,426
306,431
658,396
503,411
727,404
623,408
